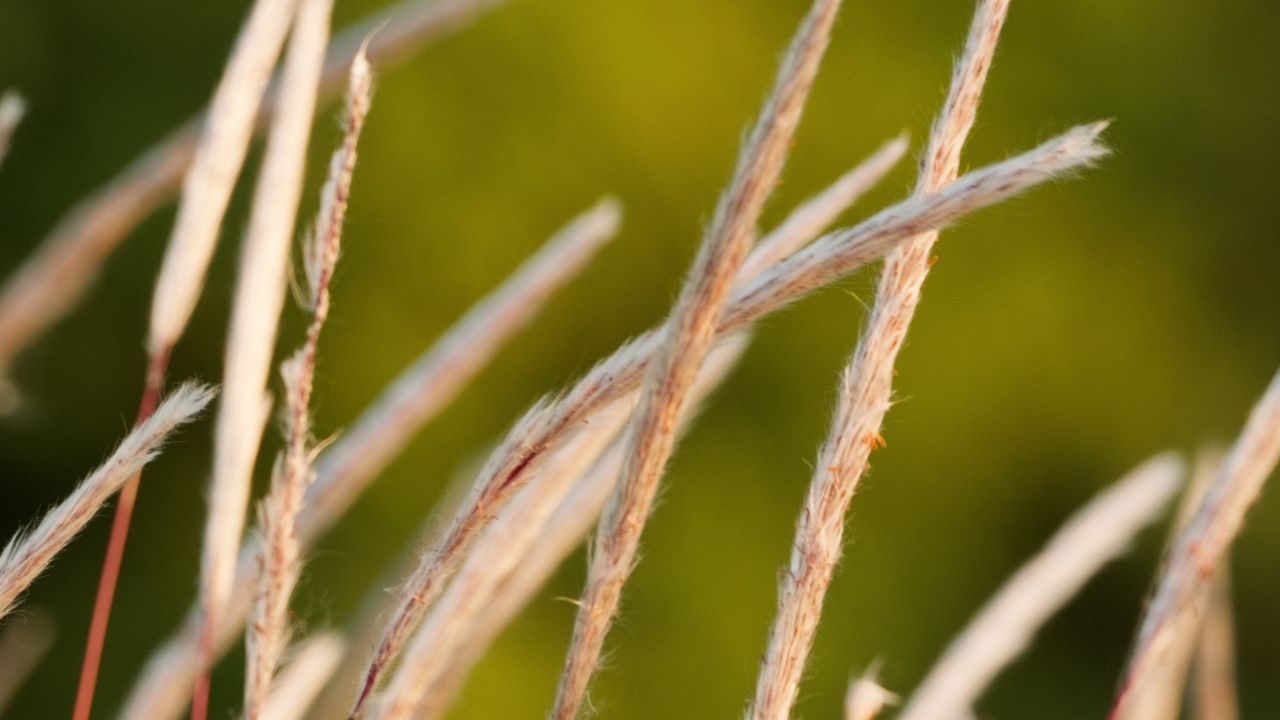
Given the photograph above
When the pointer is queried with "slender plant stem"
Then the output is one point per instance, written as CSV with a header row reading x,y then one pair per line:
x,y
157,365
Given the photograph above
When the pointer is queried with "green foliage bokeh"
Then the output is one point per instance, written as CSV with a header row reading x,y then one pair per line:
x,y
1064,336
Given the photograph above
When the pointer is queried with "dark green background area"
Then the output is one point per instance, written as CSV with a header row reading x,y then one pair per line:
x,y
1064,336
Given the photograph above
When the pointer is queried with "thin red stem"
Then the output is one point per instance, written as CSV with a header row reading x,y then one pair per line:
x,y
156,366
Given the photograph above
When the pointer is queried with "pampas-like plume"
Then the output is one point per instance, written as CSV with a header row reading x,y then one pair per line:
x,y
267,632
1004,628
689,335
422,390
483,597
12,108
866,697
1204,543
305,676
29,553
255,314
440,558
62,268
800,227
866,387
411,400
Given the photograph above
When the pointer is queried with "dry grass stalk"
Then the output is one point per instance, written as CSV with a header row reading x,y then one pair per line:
x,y
258,300
866,697
24,642
866,389
206,189
346,468
421,391
1002,629
441,556
1163,696
522,547
690,332
1215,695
827,259
305,676
1203,545
66,262
279,562
800,227
816,214
12,108
29,553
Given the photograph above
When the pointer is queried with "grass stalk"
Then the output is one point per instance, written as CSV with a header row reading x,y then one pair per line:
x,y
57,275
1204,544
689,336
800,227
866,389
28,553
529,538
346,468
255,311
267,632
1002,630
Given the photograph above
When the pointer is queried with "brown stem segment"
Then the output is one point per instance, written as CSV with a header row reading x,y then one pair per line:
x,y
157,364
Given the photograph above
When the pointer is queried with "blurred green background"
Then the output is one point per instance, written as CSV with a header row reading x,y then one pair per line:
x,y
1063,338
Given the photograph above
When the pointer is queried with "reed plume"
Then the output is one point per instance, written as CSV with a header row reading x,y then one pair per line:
x,y
279,562
255,315
865,392
346,468
56,277
683,348
28,553
800,227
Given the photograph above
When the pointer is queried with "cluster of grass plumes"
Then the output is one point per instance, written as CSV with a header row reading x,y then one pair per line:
x,y
592,454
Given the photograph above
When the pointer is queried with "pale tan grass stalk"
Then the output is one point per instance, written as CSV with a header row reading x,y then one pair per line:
x,y
421,391
304,677
206,190
1203,545
66,262
29,553
1214,690
12,108
866,697
441,557
816,549
346,468
255,310
24,641
827,259
1163,696
483,597
866,391
1001,630
690,333
799,228
267,632
817,213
